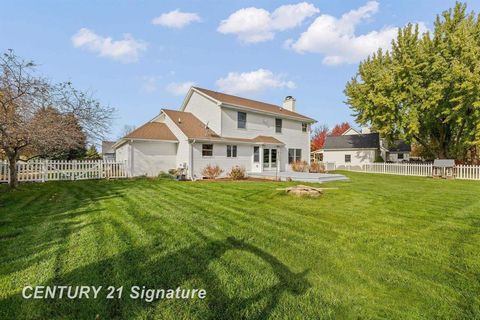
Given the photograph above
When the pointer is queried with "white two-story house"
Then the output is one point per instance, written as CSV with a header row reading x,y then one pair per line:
x,y
218,129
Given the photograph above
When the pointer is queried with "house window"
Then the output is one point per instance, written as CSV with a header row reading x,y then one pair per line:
x,y
241,120
294,155
207,150
298,154
256,154
278,125
291,156
231,151
348,158
400,156
304,127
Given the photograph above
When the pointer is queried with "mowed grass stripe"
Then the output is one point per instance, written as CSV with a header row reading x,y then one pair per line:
x,y
378,247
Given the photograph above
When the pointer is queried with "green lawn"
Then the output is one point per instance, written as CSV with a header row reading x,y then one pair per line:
x,y
380,246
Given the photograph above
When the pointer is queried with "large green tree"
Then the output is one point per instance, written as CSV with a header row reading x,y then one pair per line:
x,y
426,89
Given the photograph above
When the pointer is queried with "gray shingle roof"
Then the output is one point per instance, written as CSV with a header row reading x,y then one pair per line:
x,y
107,147
357,141
400,146
444,163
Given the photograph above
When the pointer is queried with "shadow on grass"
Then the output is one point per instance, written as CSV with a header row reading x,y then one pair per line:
x,y
189,266
42,217
37,217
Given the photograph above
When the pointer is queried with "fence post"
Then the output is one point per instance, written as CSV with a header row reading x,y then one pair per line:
x,y
102,168
7,171
44,170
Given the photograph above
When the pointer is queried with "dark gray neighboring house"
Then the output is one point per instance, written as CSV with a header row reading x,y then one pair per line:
x,y
107,152
354,148
398,151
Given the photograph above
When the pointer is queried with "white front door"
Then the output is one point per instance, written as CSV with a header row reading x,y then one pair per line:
x,y
256,163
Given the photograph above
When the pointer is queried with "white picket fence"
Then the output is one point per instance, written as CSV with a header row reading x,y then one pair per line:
x,y
403,169
55,170
463,172
467,172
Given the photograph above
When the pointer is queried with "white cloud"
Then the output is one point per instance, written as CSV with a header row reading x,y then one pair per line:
x,y
253,25
335,37
179,88
251,82
150,83
125,50
176,19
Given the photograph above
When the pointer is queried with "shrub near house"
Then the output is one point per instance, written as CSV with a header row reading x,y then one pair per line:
x,y
212,171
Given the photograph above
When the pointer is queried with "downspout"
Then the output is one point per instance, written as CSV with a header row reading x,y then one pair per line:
x,y
131,157
190,165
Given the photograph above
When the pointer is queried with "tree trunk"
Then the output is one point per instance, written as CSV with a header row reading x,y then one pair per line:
x,y
12,163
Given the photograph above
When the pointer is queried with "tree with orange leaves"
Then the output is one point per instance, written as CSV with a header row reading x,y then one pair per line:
x,y
339,129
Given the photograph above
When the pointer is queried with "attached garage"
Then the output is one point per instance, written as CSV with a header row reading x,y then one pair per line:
x,y
148,150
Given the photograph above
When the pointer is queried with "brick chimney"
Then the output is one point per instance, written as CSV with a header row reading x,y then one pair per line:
x,y
289,103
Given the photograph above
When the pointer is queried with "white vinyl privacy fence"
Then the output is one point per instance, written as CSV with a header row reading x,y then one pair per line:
x,y
55,170
464,172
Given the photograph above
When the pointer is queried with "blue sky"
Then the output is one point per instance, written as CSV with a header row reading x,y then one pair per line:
x,y
139,56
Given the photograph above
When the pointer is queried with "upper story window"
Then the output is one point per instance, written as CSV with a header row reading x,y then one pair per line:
x,y
231,151
241,120
304,127
278,125
207,150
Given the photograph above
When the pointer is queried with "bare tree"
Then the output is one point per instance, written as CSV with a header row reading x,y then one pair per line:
x,y
126,129
39,117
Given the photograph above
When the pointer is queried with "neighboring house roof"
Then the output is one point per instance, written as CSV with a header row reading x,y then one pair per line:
x,y
400,146
252,104
360,141
152,131
107,147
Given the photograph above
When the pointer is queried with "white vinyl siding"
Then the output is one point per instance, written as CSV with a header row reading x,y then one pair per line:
x,y
358,157
243,159
148,158
264,125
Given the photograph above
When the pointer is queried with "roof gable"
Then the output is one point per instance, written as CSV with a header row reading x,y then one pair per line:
x,y
251,104
350,131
